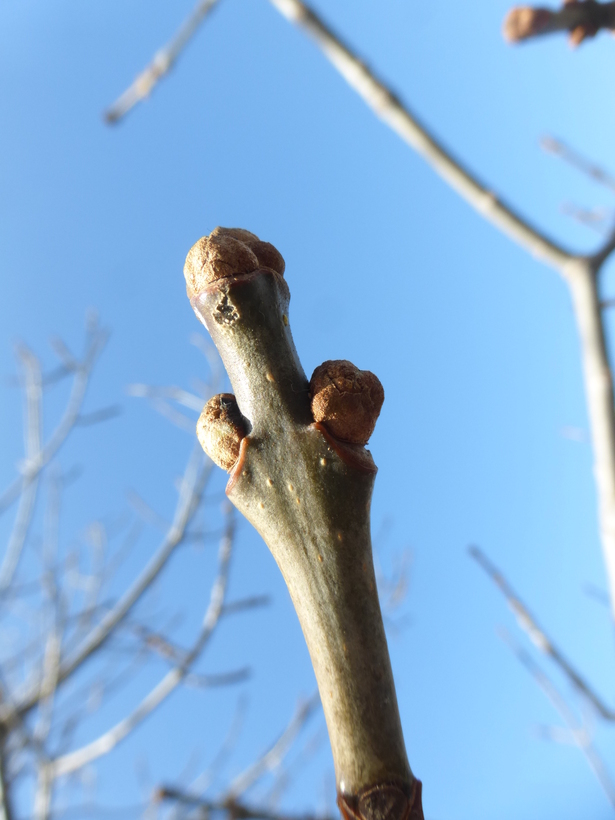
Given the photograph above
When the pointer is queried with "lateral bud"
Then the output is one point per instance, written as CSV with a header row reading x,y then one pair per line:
x,y
220,430
225,253
346,400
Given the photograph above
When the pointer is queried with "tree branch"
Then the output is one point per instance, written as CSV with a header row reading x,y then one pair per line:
x,y
163,62
538,636
192,486
387,106
33,426
105,743
579,733
307,491
32,468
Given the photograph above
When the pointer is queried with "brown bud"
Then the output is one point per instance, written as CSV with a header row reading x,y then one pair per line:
x,y
523,22
228,252
346,400
220,429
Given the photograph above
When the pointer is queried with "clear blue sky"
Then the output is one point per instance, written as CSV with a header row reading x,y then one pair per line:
x,y
473,341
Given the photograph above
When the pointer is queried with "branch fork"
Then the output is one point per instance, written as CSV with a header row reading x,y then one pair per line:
x,y
300,473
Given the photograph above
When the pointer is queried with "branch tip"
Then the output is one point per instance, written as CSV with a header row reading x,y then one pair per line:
x,y
225,253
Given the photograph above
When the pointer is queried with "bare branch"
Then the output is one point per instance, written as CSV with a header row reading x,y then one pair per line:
x,y
233,809
33,425
105,743
387,106
6,812
273,758
578,731
243,604
192,486
96,341
163,62
553,145
538,636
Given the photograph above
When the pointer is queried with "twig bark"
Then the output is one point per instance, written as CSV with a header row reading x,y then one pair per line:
x,y
33,425
388,107
6,812
105,743
273,757
308,494
163,62
97,338
192,486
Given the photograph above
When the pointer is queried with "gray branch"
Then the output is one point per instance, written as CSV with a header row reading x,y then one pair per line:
x,y
308,494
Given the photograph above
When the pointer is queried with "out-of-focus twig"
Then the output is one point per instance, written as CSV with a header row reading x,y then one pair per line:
x,y
191,490
388,107
537,635
33,425
555,146
105,743
582,18
579,733
163,62
275,755
96,340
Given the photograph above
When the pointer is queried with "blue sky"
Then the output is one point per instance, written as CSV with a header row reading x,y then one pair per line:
x,y
474,343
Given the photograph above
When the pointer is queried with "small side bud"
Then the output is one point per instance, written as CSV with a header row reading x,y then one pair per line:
x,y
225,253
346,400
220,429
523,22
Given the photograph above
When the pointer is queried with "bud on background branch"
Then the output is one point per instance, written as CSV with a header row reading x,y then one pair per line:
x,y
581,18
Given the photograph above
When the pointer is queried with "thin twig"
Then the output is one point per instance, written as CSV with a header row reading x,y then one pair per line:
x,y
389,108
192,487
5,799
96,341
105,743
163,62
555,146
272,758
537,635
201,783
578,731
33,424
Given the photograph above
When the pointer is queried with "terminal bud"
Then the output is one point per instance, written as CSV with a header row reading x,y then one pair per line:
x,y
225,253
220,429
